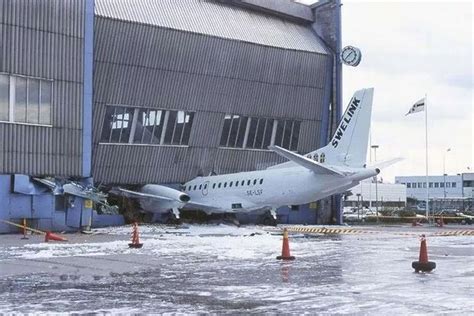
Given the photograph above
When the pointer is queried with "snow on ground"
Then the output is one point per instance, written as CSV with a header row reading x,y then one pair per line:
x,y
225,269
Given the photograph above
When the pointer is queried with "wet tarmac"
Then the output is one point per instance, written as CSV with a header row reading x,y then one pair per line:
x,y
229,270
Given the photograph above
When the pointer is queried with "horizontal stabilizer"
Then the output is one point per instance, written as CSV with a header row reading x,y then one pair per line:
x,y
386,163
305,162
144,195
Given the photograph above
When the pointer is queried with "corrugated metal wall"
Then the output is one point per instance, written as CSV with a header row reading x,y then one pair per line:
x,y
44,39
149,66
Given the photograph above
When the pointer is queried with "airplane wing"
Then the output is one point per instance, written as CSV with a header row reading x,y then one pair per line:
x,y
305,162
136,194
187,205
199,206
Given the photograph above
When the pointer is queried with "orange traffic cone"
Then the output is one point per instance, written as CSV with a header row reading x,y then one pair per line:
x,y
50,236
135,238
285,250
423,264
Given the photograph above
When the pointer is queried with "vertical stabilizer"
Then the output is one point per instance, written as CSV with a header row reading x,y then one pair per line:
x,y
348,145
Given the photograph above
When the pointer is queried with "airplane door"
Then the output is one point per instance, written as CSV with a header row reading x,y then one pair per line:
x,y
205,188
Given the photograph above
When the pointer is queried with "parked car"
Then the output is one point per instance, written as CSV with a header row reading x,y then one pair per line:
x,y
466,219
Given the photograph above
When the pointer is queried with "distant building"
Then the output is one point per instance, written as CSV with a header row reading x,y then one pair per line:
x,y
446,191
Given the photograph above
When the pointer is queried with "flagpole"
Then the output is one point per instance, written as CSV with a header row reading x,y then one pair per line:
x,y
426,148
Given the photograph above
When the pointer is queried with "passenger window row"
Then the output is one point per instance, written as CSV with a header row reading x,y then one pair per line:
x,y
230,184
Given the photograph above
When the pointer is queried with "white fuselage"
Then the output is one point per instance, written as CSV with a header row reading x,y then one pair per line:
x,y
270,189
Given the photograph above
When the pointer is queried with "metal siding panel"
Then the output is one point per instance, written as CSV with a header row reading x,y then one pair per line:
x,y
220,20
41,44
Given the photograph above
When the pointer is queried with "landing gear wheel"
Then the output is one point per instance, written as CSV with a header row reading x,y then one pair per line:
x,y
269,221
171,220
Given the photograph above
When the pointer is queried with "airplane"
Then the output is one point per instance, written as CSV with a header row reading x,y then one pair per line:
x,y
332,169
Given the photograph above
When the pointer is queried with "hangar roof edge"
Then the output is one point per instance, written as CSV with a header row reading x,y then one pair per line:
x,y
217,19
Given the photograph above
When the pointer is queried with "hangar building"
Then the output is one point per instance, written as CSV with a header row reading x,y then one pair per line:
x,y
129,92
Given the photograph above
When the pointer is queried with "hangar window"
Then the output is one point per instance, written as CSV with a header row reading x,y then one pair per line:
x,y
119,125
234,131
453,185
259,133
149,126
430,184
4,97
146,126
25,100
408,185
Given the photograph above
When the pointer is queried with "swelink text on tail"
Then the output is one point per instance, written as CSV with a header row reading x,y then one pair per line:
x,y
345,122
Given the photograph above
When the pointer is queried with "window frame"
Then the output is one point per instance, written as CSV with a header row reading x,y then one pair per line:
x,y
166,129
11,99
260,132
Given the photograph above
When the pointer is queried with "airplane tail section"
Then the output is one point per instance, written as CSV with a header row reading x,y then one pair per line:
x,y
348,145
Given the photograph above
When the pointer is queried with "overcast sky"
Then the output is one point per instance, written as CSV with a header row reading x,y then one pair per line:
x,y
409,49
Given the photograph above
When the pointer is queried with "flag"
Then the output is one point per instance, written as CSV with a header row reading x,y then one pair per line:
x,y
417,107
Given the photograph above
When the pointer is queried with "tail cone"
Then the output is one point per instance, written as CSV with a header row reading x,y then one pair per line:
x,y
423,264
135,237
285,250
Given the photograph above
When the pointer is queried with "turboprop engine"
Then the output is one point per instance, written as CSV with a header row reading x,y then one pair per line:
x,y
166,192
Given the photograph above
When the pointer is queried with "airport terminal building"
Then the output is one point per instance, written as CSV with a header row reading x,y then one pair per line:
x,y
445,191
130,92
